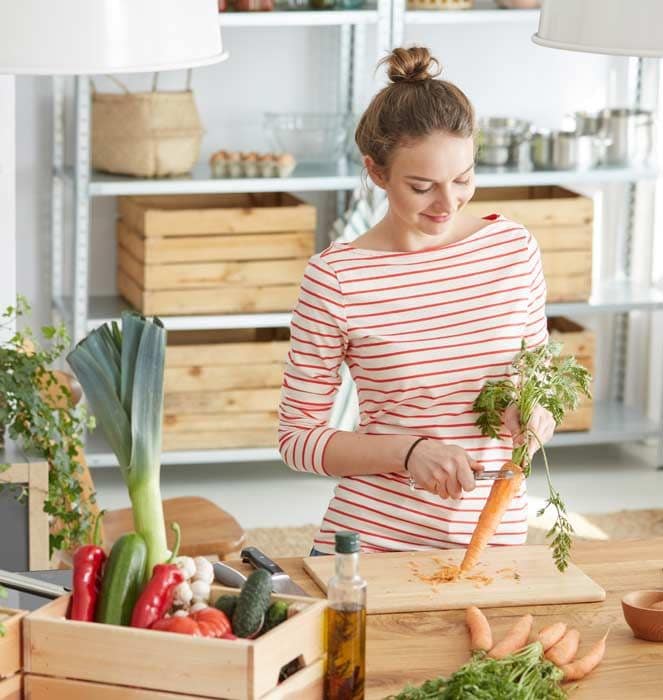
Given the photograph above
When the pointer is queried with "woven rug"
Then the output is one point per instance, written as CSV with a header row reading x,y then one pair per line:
x,y
620,525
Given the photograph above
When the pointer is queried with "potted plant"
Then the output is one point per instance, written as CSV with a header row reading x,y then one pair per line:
x,y
39,412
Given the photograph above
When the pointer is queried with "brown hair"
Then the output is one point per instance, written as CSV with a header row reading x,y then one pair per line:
x,y
412,106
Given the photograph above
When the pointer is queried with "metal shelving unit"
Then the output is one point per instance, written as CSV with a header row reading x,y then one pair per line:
x,y
613,421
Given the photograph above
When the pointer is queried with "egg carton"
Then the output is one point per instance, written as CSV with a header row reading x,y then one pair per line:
x,y
233,164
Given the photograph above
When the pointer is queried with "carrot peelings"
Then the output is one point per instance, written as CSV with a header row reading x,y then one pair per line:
x,y
538,377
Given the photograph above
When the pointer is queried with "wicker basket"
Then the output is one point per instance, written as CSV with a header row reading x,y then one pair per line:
x,y
145,134
440,4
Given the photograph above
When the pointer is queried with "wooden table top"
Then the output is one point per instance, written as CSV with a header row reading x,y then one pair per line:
x,y
414,647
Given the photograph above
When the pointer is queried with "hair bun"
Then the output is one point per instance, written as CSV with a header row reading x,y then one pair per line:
x,y
411,65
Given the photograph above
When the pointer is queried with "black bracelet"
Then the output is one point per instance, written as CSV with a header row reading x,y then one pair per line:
x,y
409,452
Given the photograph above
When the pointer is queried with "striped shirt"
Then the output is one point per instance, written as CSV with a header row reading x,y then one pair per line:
x,y
420,333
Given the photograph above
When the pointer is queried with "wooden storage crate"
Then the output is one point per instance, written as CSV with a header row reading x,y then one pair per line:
x,y
581,343
11,679
562,223
223,253
10,643
66,660
222,388
12,688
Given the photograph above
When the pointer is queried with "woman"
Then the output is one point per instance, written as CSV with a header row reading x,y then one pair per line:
x,y
424,308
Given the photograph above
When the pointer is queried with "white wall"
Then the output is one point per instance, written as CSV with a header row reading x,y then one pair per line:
x,y
502,72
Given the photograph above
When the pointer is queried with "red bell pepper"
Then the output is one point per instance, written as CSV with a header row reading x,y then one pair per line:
x,y
157,596
88,564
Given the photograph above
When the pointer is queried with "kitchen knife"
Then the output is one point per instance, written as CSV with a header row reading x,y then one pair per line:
x,y
281,582
228,576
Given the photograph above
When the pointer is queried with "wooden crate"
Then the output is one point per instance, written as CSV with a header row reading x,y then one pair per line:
x,y
10,643
562,223
228,253
222,388
67,660
581,343
12,688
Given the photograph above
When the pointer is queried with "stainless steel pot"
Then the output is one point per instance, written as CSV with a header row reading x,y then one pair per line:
x,y
499,140
566,150
541,149
587,123
632,136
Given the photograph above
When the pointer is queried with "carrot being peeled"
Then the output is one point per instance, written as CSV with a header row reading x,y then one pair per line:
x,y
566,649
549,636
581,667
501,494
481,636
516,638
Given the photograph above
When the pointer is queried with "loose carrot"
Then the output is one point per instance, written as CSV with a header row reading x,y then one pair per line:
x,y
501,495
550,635
481,636
565,650
515,639
581,667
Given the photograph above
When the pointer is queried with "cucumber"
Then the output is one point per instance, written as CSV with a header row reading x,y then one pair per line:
x,y
254,599
227,604
276,614
122,580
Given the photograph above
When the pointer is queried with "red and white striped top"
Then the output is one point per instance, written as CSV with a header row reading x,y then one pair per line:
x,y
420,332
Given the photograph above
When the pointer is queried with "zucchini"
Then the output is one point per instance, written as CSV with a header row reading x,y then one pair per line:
x,y
254,599
122,580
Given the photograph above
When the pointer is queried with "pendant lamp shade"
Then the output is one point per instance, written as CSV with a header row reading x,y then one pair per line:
x,y
619,27
78,37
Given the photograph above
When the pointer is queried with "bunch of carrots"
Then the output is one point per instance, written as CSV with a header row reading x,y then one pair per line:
x,y
558,643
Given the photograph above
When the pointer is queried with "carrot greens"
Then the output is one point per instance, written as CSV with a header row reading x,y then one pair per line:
x,y
524,675
539,377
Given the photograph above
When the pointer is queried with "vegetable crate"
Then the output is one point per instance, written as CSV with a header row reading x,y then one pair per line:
x,y
220,253
67,660
581,343
222,388
562,223
10,654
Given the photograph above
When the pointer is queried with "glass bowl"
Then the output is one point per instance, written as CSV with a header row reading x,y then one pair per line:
x,y
311,138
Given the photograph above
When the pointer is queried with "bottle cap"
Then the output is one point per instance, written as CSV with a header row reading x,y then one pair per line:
x,y
347,542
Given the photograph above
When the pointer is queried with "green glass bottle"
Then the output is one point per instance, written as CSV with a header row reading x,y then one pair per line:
x,y
346,623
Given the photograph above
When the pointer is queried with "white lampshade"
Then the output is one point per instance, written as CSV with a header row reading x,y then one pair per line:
x,y
620,27
77,37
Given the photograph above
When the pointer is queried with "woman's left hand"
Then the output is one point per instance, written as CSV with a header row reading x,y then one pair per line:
x,y
542,423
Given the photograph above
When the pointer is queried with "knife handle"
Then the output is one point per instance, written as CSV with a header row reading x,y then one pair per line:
x,y
258,560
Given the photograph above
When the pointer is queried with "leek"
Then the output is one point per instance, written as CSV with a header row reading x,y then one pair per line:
x,y
121,372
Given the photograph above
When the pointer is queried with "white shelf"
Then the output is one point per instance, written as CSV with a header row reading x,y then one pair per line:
x,y
612,297
613,422
513,177
344,175
104,309
615,297
482,13
98,454
299,18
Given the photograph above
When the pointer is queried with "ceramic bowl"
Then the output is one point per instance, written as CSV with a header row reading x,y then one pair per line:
x,y
646,622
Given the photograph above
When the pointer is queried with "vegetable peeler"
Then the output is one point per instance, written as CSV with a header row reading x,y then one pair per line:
x,y
494,476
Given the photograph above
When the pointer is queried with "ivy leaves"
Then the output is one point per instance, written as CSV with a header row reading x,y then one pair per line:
x,y
34,421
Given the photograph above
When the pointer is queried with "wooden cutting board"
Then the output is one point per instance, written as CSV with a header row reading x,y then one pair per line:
x,y
505,576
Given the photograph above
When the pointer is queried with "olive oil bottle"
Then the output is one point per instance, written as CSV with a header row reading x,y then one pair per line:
x,y
346,623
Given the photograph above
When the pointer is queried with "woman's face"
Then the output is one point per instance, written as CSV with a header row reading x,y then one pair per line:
x,y
429,182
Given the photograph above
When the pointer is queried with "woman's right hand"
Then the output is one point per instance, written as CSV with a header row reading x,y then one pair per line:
x,y
446,470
